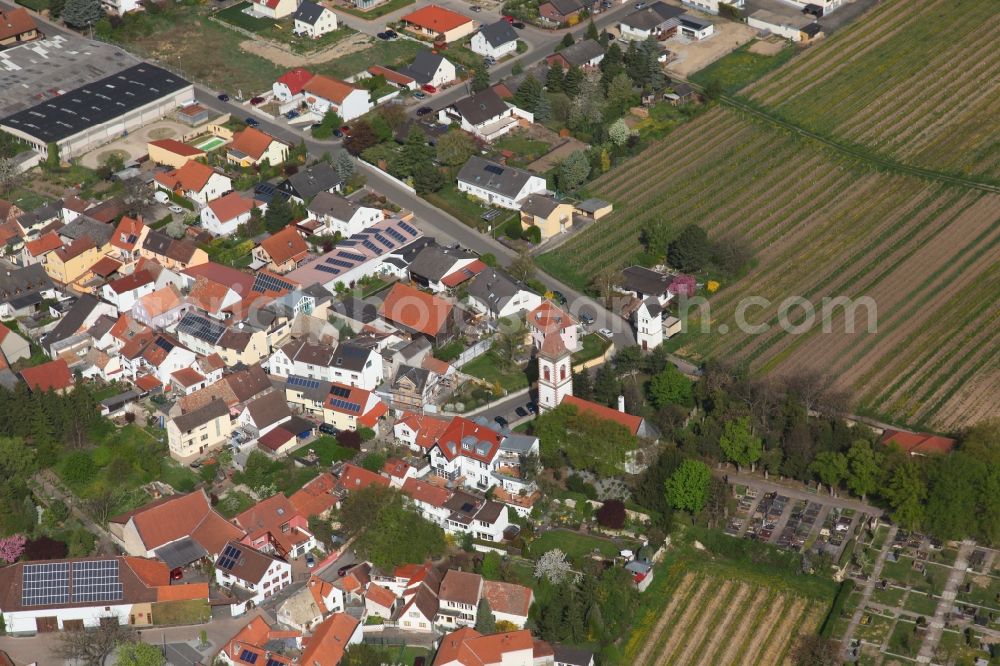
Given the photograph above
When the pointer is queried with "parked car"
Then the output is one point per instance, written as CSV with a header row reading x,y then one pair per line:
x,y
391,34
252,122
609,37
291,115
606,332
521,411
587,318
223,97
518,24
510,19
178,210
327,429
345,130
501,421
429,88
255,101
383,36
419,94
176,574
640,5
490,61
532,407
337,133
310,561
424,110
560,299
475,8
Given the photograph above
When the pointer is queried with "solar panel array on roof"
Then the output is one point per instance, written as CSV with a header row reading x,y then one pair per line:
x,y
385,241
493,168
339,262
164,344
97,581
201,327
340,391
327,269
46,583
303,382
353,256
249,656
408,229
272,662
263,282
371,246
395,234
230,556
352,407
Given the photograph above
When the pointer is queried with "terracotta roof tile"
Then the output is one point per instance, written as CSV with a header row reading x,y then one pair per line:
x,y
51,376
232,206
315,497
295,79
508,598
43,244
633,423
251,142
329,641
436,19
178,148
416,310
328,88
286,245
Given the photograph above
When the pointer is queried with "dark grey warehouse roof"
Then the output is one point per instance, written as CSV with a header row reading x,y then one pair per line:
x,y
95,103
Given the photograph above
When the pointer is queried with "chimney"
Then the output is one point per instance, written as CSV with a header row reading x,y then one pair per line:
x,y
621,404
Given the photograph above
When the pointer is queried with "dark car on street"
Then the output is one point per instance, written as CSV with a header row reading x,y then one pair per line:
x,y
521,411
252,122
424,110
532,407
501,421
223,97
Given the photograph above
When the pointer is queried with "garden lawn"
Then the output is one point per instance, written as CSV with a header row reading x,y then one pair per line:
x,y
593,345
177,476
195,611
741,67
458,205
921,604
574,544
234,503
329,450
375,12
485,368
387,54
279,31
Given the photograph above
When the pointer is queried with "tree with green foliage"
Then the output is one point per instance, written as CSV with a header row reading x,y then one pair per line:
x,y
486,622
830,467
687,488
864,468
416,153
139,653
583,385
612,64
52,161
480,77
362,137
374,462
574,171
528,94
278,215
56,8
522,267
490,568
386,531
671,387
554,77
607,385
691,250
428,179
621,97
567,40
82,14
813,649
543,110
953,498
330,122
344,165
906,492
573,81
739,443
455,147
583,441
619,132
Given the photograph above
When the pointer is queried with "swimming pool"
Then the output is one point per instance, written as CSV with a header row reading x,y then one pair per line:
x,y
211,143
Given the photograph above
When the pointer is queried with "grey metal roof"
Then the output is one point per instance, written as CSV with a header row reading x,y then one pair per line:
x,y
652,16
418,376
494,288
499,33
566,7
482,106
504,180
309,182
180,553
351,356
592,205
434,261
692,21
333,205
309,12
539,205
581,53
208,412
72,321
423,67
517,443
644,281
22,281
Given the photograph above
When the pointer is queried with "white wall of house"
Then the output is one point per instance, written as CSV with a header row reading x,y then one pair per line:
x,y
211,222
277,577
649,329
484,48
23,621
444,75
363,218
522,301
327,22
356,104
206,437
533,186
126,299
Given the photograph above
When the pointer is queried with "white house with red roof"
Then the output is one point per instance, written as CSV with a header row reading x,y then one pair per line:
x,y
290,84
467,647
323,93
223,216
550,318
398,471
275,9
458,512
252,644
419,431
509,602
274,526
350,407
125,291
465,451
126,240
196,181
260,575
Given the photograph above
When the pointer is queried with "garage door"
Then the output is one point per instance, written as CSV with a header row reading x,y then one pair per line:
x,y
44,624
72,625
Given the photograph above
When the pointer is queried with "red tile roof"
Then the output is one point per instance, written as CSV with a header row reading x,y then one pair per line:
x,y
390,75
416,310
508,597
251,142
148,382
396,468
380,595
548,317
470,648
328,88
329,641
315,497
162,300
192,176
51,376
370,418
133,281
916,443
286,245
427,493
428,428
237,280
14,22
232,206
633,423
105,266
175,517
43,244
127,234
76,248
463,274
553,345
295,79
187,377
358,478
436,19
178,148
469,439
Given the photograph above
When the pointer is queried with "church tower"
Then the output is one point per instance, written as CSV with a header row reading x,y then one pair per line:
x,y
555,372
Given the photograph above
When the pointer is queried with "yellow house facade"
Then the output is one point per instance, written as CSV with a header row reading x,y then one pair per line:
x,y
68,264
550,216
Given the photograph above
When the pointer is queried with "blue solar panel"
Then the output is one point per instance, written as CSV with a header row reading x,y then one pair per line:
x,y
164,344
327,269
347,406
350,242
230,556
371,246
385,241
44,584
272,662
303,382
408,229
248,656
352,256
96,581
340,391
339,262
263,282
395,234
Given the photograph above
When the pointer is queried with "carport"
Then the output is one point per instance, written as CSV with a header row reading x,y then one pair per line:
x,y
180,553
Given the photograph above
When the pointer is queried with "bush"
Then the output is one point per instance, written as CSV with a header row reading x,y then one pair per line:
x,y
350,439
366,434
374,462
612,514
576,484
533,235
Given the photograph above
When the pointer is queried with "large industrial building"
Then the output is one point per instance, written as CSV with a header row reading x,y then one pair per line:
x,y
102,111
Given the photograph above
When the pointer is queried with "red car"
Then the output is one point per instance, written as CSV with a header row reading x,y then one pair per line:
x,y
509,18
256,100
429,88
177,574
346,130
